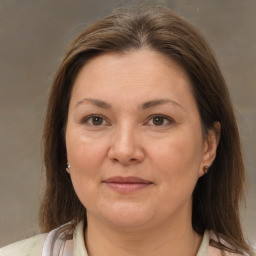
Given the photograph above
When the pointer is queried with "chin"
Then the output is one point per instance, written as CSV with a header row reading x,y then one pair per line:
x,y
127,216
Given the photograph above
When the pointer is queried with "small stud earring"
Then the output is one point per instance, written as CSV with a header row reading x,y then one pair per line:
x,y
205,169
68,168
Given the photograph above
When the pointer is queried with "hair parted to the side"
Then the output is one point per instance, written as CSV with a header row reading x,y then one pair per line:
x,y
217,195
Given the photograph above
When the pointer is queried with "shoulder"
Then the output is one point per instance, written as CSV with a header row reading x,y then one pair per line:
x,y
29,247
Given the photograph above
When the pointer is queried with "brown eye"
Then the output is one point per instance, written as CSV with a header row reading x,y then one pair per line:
x,y
158,120
97,120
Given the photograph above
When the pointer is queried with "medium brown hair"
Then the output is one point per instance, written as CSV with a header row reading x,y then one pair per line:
x,y
217,195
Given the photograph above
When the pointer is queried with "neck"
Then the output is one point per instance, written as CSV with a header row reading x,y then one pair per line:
x,y
173,239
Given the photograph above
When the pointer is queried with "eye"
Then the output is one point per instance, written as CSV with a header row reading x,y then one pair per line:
x,y
160,120
95,120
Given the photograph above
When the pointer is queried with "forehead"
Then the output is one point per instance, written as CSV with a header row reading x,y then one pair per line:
x,y
132,75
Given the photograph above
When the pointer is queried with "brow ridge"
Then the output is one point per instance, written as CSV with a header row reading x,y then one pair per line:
x,y
144,106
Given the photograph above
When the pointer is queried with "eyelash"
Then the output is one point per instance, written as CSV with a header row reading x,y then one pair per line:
x,y
89,120
164,117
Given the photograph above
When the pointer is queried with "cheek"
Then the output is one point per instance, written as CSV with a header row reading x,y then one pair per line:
x,y
85,157
84,153
177,160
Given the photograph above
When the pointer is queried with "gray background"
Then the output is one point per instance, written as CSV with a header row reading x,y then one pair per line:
x,y
33,38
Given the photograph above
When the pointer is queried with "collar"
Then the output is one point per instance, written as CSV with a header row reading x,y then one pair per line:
x,y
76,247
80,250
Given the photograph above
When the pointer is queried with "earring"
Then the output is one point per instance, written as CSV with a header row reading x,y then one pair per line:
x,y
205,169
68,168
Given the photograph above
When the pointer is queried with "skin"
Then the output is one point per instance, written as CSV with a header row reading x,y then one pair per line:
x,y
129,137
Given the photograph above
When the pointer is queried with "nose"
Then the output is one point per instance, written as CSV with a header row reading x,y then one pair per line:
x,y
126,147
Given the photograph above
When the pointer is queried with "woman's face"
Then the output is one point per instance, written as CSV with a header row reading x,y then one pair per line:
x,y
134,140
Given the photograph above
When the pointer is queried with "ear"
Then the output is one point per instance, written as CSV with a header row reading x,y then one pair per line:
x,y
211,142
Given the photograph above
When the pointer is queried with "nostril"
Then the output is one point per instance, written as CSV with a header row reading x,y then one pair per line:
x,y
127,161
115,160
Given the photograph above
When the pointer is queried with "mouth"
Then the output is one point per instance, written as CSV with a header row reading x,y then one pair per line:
x,y
127,184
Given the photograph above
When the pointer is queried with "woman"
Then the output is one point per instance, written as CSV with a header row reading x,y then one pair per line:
x,y
141,146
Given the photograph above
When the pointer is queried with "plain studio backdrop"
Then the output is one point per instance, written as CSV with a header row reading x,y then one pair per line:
x,y
33,39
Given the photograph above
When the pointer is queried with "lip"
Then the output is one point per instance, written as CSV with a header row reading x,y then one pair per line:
x,y
127,184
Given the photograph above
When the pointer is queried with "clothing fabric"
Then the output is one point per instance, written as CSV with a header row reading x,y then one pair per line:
x,y
41,245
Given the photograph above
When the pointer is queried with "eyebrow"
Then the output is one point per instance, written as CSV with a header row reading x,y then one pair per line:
x,y
157,102
98,103
144,106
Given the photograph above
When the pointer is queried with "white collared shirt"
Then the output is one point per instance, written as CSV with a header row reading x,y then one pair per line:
x,y
41,245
